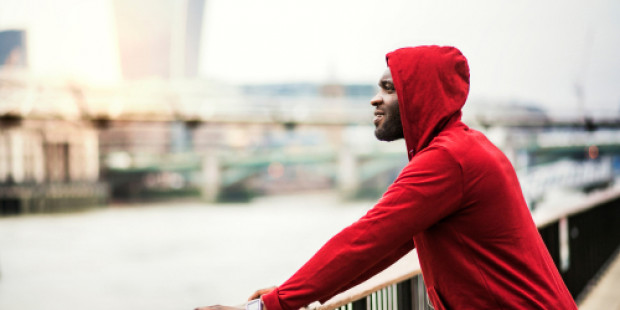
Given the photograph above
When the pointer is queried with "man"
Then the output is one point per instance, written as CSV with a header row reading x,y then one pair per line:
x,y
458,202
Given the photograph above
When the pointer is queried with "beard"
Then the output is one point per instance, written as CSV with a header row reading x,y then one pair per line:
x,y
390,129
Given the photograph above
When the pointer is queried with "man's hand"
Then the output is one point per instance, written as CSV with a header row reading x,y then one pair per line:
x,y
218,307
260,293
256,295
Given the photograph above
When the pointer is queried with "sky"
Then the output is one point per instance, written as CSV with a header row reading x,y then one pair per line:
x,y
528,51
66,38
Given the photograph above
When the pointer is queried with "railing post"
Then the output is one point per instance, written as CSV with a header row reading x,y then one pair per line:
x,y
419,293
405,296
360,304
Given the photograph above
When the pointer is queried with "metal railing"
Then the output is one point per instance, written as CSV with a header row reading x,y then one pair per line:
x,y
405,295
581,238
581,241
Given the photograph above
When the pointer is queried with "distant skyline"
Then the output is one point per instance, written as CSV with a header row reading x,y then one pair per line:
x,y
529,51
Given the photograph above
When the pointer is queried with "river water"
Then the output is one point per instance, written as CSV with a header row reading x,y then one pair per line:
x,y
163,256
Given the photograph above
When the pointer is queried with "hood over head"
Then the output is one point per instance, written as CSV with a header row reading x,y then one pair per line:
x,y
432,83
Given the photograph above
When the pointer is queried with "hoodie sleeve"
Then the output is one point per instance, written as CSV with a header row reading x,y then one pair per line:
x,y
427,190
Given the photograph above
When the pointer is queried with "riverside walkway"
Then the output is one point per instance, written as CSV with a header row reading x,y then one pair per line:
x,y
604,293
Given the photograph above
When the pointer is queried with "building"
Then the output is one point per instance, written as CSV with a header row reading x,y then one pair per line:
x,y
49,157
13,48
159,38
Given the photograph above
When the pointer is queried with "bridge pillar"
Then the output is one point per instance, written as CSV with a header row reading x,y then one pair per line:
x,y
211,177
348,176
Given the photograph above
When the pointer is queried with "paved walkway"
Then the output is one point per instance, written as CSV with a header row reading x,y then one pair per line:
x,y
606,293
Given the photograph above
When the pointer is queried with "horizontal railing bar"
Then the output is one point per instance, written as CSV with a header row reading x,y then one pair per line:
x,y
544,217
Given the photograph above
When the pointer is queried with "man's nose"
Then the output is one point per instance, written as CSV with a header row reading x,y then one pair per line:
x,y
376,100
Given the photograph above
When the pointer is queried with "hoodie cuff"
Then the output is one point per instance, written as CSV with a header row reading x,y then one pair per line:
x,y
272,301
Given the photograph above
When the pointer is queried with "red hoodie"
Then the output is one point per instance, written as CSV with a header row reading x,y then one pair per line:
x,y
458,201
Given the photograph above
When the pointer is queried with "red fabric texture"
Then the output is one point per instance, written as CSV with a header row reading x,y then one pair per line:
x,y
458,201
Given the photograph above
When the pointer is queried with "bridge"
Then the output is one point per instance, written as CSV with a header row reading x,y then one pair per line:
x,y
546,161
351,172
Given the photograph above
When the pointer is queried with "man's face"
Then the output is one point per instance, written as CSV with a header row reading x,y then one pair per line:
x,y
387,115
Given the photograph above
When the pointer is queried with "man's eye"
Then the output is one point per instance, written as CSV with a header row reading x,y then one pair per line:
x,y
386,86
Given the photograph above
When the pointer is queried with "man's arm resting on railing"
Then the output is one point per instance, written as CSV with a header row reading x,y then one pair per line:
x,y
388,261
382,265
385,263
428,189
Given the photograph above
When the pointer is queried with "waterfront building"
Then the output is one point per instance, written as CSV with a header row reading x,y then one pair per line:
x,y
49,154
159,38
